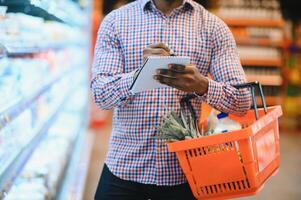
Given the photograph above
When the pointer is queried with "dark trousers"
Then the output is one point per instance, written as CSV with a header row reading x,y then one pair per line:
x,y
111,187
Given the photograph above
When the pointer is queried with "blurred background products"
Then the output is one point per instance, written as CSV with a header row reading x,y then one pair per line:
x,y
44,85
53,138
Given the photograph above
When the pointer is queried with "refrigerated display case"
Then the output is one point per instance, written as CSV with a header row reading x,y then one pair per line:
x,y
44,69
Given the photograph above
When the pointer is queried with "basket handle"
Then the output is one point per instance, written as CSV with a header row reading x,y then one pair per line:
x,y
253,86
185,101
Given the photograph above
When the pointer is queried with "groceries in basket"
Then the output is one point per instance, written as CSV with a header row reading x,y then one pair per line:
x,y
221,123
237,163
176,128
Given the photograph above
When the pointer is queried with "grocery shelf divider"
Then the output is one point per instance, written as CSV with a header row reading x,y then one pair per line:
x,y
259,41
23,51
15,167
267,80
15,110
270,100
262,62
254,22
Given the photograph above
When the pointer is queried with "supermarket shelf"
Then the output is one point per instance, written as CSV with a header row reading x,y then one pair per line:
x,y
47,12
255,22
15,167
74,180
14,110
25,6
292,106
270,100
259,42
24,51
262,62
267,80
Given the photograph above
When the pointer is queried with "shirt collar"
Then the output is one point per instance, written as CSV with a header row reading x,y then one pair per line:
x,y
145,3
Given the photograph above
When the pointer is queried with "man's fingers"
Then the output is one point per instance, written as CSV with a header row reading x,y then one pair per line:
x,y
160,46
165,72
164,79
168,80
190,68
170,72
149,51
177,67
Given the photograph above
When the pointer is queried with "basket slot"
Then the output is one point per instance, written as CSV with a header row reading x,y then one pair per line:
x,y
248,183
234,185
211,189
204,150
207,191
226,187
229,187
218,148
220,188
223,188
230,146
187,158
190,154
243,184
195,152
200,153
223,148
211,149
207,150
216,189
238,185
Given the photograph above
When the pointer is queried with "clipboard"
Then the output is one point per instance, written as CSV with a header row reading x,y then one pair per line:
x,y
144,80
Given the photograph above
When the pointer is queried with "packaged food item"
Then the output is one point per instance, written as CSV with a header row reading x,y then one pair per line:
x,y
219,122
23,189
225,124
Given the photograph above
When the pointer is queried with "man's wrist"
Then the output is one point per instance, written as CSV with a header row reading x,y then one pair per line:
x,y
203,88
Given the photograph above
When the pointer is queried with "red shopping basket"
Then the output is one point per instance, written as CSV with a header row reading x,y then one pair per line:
x,y
237,163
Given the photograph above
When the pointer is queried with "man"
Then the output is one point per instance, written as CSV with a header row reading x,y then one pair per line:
x,y
138,164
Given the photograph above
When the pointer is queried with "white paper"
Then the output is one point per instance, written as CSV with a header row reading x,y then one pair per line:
x,y
145,80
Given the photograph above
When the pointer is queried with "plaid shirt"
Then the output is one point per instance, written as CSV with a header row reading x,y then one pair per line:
x,y
135,153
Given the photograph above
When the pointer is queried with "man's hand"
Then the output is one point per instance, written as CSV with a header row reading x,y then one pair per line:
x,y
158,49
185,78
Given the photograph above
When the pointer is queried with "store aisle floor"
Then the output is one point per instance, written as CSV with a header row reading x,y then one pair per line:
x,y
99,151
286,185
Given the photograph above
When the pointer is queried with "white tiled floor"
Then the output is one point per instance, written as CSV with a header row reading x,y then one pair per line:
x,y
286,185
